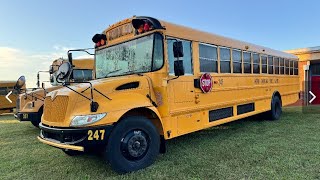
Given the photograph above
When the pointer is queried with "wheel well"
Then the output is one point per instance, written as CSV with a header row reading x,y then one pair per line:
x,y
142,111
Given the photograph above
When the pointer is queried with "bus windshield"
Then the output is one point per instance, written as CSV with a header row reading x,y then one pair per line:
x,y
140,55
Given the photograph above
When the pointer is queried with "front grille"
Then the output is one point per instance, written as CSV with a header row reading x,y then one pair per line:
x,y
64,138
55,111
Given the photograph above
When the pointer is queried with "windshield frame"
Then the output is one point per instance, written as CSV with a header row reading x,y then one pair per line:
x,y
138,37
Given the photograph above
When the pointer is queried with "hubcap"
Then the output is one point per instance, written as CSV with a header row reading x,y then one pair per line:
x,y
134,145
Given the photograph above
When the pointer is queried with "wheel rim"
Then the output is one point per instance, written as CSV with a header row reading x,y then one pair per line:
x,y
135,145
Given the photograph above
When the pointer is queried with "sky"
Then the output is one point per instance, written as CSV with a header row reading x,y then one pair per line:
x,y
35,32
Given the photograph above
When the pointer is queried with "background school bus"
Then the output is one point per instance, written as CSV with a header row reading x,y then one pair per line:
x,y
30,104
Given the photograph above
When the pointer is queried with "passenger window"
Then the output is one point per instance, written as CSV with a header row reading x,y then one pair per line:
x,y
247,62
256,63
225,58
296,68
187,56
291,67
286,61
281,66
237,60
276,65
270,64
208,57
264,64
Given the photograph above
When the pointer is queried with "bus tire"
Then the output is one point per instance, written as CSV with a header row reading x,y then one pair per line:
x,y
133,144
276,108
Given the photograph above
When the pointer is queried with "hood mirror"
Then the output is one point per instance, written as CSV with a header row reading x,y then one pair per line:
x,y
64,71
20,83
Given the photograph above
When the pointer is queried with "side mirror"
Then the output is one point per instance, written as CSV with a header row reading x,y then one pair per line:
x,y
70,57
64,71
178,68
20,83
177,49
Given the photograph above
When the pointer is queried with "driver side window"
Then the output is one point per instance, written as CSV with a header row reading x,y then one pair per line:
x,y
187,56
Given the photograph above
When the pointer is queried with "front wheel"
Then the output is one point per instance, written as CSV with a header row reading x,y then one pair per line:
x,y
133,144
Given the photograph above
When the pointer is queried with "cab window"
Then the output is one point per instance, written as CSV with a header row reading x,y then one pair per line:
x,y
187,56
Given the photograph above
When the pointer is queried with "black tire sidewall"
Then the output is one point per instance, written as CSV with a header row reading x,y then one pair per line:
x,y
113,153
274,104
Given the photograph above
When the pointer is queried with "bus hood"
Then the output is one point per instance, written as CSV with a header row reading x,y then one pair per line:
x,y
62,105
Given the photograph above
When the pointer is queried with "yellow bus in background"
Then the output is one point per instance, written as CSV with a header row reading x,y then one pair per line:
x,y
30,104
156,81
5,88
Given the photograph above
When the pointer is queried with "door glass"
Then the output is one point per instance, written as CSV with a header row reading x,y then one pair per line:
x,y
187,57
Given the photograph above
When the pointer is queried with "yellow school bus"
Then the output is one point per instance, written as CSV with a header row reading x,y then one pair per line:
x,y
30,104
156,81
5,105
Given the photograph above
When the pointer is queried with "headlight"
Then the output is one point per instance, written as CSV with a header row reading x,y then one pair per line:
x,y
86,119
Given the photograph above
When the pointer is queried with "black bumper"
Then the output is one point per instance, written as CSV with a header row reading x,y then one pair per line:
x,y
35,116
88,137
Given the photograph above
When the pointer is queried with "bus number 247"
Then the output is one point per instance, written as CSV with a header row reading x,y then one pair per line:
x,y
96,135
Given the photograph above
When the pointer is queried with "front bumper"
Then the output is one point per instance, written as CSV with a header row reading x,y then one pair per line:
x,y
34,116
79,139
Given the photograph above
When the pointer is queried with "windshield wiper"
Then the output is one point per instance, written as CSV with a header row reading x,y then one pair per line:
x,y
112,72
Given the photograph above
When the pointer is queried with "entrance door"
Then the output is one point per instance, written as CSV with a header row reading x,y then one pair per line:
x,y
181,90
315,88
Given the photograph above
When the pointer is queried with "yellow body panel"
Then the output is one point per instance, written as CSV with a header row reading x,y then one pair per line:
x,y
181,108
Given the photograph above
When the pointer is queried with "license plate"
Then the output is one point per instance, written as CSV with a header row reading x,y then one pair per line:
x,y
25,116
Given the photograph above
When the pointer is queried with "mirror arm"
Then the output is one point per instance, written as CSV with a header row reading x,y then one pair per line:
x,y
84,50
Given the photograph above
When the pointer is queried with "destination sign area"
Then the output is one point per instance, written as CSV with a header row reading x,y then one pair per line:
x,y
120,31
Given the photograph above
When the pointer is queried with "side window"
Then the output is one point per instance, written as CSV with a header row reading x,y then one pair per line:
x,y
237,60
157,52
187,57
281,66
225,58
286,62
270,64
276,65
256,63
295,67
247,62
208,58
264,64
291,67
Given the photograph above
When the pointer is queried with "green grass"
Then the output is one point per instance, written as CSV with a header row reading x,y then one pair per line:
x,y
247,149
